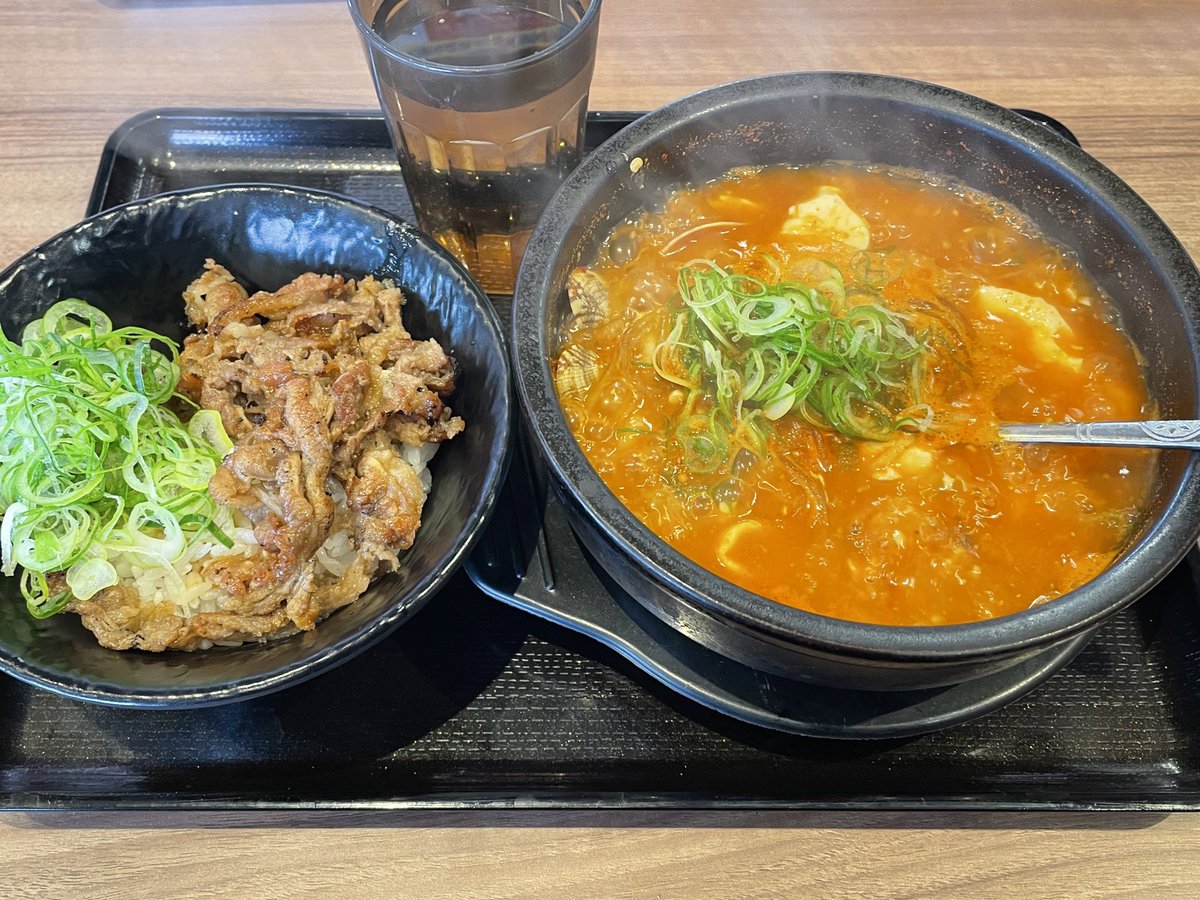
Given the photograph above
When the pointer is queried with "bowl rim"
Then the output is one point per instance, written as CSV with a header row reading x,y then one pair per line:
x,y
416,596
1163,546
374,42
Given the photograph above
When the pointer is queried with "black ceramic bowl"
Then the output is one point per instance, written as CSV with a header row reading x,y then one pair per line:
x,y
134,262
814,117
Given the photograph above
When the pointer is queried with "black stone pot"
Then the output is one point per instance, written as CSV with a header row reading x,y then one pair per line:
x,y
134,261
812,117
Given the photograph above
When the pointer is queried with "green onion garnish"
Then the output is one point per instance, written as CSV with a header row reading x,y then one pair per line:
x,y
750,352
93,463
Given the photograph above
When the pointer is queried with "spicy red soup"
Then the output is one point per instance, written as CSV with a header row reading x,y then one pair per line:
x,y
795,377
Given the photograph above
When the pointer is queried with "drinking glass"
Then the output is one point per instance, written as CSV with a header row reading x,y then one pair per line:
x,y
486,101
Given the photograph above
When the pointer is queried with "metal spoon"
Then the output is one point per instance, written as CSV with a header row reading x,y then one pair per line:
x,y
1181,434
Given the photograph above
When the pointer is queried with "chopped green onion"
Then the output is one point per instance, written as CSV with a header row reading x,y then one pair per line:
x,y
93,463
90,576
750,353
205,425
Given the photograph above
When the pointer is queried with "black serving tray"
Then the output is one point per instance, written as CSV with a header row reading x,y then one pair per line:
x,y
475,703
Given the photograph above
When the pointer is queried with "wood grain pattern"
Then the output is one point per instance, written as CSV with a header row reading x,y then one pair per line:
x,y
1124,75
553,855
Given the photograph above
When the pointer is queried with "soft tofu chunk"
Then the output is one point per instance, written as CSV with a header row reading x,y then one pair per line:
x,y
827,216
915,460
900,457
909,463
1046,324
737,558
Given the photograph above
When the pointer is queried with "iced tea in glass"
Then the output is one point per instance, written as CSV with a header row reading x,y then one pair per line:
x,y
486,101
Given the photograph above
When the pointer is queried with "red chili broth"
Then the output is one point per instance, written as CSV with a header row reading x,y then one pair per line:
x,y
940,527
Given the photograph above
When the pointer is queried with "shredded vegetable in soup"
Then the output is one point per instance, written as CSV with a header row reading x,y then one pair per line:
x,y
795,378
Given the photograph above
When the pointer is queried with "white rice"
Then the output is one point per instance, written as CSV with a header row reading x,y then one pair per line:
x,y
183,584
418,458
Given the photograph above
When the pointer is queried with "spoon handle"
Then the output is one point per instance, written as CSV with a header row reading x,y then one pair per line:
x,y
1183,434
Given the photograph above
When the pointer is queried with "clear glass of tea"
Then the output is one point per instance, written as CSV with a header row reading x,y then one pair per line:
x,y
486,101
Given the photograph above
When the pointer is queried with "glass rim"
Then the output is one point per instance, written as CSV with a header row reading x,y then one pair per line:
x,y
371,36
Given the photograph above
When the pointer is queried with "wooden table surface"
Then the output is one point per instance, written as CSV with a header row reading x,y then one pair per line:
x,y
1124,75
